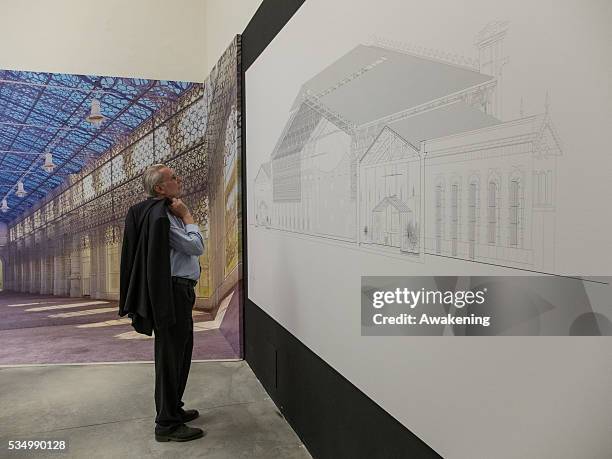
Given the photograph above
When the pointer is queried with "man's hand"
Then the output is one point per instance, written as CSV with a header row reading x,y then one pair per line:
x,y
178,208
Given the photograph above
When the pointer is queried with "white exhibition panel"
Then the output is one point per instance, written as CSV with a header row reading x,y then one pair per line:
x,y
483,128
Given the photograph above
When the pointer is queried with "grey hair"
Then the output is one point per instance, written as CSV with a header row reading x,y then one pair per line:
x,y
151,177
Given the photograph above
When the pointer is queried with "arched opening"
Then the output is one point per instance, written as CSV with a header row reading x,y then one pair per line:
x,y
492,211
85,267
262,217
439,216
515,211
473,206
454,218
391,219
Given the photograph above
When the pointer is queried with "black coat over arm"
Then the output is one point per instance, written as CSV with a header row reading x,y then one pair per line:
x,y
145,292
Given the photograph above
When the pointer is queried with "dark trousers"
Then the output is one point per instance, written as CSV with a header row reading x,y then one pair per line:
x,y
173,347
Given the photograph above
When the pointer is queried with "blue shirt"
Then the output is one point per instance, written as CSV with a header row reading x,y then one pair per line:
x,y
186,245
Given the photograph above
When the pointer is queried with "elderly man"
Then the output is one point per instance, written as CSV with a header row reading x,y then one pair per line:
x,y
159,271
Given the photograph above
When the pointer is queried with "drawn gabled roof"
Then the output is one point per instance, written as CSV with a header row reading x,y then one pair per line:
x,y
446,120
264,173
370,82
394,201
548,141
383,149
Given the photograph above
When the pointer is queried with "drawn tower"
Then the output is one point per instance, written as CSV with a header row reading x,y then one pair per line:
x,y
490,45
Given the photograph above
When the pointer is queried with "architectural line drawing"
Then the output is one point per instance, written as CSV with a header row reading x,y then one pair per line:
x,y
403,150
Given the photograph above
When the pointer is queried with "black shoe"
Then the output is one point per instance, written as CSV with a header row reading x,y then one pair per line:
x,y
181,433
190,415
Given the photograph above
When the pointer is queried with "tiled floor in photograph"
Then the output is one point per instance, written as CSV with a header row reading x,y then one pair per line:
x,y
38,329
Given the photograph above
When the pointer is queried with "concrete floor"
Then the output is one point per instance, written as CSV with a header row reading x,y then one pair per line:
x,y
108,411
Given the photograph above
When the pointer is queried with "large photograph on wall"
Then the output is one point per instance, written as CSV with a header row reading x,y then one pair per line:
x,y
437,139
73,149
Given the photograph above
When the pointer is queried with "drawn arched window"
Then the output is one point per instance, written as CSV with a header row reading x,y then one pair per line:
x,y
454,217
473,206
515,212
492,211
543,187
439,215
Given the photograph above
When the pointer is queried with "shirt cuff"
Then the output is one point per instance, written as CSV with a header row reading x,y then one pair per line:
x,y
192,228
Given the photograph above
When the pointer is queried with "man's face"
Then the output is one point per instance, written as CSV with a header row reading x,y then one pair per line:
x,y
170,185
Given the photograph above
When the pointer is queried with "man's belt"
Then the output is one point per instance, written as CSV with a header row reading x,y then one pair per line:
x,y
184,281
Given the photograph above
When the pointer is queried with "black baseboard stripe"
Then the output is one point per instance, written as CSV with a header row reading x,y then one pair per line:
x,y
333,418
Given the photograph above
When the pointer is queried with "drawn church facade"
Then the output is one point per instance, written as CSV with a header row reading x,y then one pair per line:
x,y
406,154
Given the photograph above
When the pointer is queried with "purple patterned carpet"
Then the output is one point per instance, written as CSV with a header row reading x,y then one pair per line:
x,y
66,331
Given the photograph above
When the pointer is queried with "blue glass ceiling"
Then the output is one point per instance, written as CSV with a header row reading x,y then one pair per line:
x,y
42,112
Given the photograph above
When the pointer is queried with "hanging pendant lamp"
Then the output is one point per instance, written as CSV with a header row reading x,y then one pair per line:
x,y
20,190
48,166
4,207
95,116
